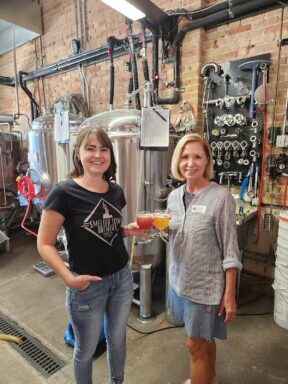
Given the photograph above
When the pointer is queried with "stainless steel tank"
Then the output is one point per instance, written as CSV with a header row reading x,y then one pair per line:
x,y
49,161
141,173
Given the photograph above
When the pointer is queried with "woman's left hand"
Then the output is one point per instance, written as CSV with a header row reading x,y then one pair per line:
x,y
133,229
228,303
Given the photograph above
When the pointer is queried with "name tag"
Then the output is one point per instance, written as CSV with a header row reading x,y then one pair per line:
x,y
199,208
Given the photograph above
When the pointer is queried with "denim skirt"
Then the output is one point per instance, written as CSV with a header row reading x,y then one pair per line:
x,y
201,321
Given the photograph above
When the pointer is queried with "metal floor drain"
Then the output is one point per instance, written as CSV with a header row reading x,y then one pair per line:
x,y
45,361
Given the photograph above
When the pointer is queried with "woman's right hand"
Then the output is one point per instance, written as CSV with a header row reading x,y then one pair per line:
x,y
82,282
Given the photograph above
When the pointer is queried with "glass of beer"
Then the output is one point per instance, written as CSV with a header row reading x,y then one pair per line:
x,y
161,221
144,220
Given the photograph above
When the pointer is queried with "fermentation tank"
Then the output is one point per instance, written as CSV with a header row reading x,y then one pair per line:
x,y
141,173
49,161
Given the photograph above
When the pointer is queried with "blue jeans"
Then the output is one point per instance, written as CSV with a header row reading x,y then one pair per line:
x,y
107,300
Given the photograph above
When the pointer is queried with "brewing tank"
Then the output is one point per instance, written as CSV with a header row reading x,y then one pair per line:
x,y
141,173
49,161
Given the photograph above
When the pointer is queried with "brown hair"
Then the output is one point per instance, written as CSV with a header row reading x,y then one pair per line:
x,y
104,139
194,138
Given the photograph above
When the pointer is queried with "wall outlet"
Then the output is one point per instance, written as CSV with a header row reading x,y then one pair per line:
x,y
282,141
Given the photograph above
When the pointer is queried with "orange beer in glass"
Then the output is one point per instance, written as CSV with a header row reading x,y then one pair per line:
x,y
161,220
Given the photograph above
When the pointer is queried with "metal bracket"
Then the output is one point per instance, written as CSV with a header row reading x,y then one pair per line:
x,y
282,42
230,11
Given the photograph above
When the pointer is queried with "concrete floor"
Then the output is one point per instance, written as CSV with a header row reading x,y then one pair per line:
x,y
256,351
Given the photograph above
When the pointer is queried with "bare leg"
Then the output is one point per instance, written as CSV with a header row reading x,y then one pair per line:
x,y
212,359
202,361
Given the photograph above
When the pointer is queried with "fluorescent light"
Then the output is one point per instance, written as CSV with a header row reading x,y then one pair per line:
x,y
125,8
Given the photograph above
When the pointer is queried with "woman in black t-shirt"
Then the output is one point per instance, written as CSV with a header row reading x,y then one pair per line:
x,y
99,280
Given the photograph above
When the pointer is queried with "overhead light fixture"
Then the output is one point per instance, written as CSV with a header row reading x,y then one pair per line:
x,y
126,8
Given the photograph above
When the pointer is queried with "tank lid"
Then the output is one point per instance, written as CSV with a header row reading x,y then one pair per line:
x,y
46,121
118,120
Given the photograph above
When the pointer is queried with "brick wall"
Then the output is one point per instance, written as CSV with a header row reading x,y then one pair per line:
x,y
237,40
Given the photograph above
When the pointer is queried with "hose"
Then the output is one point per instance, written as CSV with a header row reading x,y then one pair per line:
x,y
14,339
27,190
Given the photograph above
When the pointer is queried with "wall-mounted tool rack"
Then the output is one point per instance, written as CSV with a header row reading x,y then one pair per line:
x,y
234,120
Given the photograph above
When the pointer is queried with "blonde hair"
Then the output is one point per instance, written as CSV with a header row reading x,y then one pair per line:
x,y
176,158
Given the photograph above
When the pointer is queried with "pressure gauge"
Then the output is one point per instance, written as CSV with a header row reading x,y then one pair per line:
x,y
75,46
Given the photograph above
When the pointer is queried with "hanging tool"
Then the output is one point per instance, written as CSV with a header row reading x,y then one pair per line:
x,y
264,69
255,199
207,86
253,66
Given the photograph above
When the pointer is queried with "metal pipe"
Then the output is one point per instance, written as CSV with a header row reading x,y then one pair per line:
x,y
144,50
34,106
5,119
133,63
10,81
210,10
87,58
2,176
155,77
238,9
145,314
15,73
110,41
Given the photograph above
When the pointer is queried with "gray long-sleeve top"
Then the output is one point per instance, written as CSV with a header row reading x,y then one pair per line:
x,y
203,243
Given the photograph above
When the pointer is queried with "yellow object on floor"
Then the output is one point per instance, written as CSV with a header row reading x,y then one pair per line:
x,y
15,339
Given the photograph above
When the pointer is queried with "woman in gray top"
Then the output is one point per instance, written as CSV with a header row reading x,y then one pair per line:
x,y
203,255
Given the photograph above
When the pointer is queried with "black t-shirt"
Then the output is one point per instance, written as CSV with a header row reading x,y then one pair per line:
x,y
92,223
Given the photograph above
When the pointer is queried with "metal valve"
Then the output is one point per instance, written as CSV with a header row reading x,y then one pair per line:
x,y
215,132
243,144
226,164
229,101
219,162
241,100
240,119
219,103
227,145
254,123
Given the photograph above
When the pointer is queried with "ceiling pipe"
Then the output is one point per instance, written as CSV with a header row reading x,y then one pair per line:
x,y
35,110
174,99
207,11
238,9
86,58
10,81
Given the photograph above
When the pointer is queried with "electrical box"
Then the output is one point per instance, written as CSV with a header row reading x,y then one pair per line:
x,y
282,141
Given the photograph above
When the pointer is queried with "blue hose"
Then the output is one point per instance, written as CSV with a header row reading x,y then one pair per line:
x,y
243,188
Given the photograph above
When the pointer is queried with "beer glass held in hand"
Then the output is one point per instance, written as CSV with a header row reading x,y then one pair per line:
x,y
161,221
144,220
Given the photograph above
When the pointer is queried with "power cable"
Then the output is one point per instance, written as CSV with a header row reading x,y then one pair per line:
x,y
155,331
